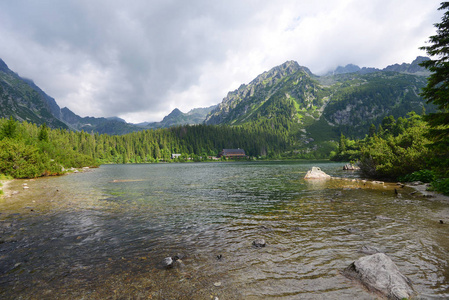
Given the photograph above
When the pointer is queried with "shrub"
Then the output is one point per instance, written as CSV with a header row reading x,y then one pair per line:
x,y
441,185
20,160
422,175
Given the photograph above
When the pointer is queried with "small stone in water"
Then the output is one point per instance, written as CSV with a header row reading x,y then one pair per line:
x,y
259,243
218,283
168,262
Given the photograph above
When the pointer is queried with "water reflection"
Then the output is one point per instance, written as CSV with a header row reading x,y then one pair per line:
x,y
103,234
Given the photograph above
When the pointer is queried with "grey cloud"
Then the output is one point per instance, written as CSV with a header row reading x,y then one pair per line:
x,y
113,57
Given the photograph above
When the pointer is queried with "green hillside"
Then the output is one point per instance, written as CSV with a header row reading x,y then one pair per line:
x,y
315,110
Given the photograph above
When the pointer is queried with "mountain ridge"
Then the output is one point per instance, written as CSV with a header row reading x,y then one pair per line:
x,y
411,68
320,108
286,95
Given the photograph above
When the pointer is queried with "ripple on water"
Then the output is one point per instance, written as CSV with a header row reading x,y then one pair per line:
x,y
102,234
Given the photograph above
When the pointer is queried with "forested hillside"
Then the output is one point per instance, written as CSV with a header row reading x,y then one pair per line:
x,y
28,150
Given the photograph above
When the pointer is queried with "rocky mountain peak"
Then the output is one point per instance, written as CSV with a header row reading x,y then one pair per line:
x,y
174,114
278,72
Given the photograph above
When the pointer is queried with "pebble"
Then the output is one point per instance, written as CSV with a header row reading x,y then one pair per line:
x,y
259,243
217,284
168,262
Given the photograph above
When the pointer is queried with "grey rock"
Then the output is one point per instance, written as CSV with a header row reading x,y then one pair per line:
x,y
379,274
259,243
316,173
169,262
352,230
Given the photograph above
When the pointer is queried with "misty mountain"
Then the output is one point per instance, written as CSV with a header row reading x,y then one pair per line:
x,y
22,99
177,117
411,68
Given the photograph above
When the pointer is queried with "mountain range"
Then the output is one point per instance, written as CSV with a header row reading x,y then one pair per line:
x,y
320,108
314,108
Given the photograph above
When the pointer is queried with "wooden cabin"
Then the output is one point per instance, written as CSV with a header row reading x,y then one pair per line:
x,y
232,153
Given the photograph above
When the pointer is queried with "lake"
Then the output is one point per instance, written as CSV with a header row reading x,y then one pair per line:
x,y
103,234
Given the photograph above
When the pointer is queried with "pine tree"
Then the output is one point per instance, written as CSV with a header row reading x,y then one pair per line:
x,y
43,133
9,129
437,89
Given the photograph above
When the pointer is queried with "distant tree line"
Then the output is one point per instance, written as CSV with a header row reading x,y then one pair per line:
x,y
28,150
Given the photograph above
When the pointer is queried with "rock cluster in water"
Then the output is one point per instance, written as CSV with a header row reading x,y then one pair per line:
x,y
350,167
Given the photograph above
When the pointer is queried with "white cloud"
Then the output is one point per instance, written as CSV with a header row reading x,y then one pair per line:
x,y
141,59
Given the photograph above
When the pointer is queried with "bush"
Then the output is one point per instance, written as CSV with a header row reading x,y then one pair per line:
x,y
426,176
441,185
393,157
20,160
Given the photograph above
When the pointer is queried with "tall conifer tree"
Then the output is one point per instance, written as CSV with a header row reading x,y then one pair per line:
x,y
437,89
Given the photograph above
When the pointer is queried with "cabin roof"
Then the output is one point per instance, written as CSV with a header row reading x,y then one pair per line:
x,y
233,151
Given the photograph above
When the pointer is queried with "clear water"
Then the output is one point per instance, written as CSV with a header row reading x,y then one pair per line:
x,y
103,234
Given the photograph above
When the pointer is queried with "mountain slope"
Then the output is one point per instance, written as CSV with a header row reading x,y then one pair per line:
x,y
321,108
24,101
287,88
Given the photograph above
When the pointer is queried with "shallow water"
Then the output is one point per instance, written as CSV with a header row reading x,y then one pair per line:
x,y
102,234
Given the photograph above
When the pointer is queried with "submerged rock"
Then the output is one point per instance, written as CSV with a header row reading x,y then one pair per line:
x,y
316,173
259,243
170,261
379,274
350,167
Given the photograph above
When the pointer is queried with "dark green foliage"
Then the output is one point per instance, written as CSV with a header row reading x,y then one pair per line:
x,y
33,151
20,160
56,148
389,156
9,129
437,90
426,176
43,133
441,185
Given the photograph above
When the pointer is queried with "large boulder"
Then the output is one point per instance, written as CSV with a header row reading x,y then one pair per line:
x,y
379,274
316,173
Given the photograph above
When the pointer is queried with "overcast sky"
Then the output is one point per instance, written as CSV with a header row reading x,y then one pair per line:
x,y
140,59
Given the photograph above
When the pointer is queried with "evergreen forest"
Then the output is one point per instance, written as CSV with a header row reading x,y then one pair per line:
x,y
28,150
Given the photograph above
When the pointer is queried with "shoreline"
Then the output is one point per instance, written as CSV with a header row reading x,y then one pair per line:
x,y
8,193
421,190
5,184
